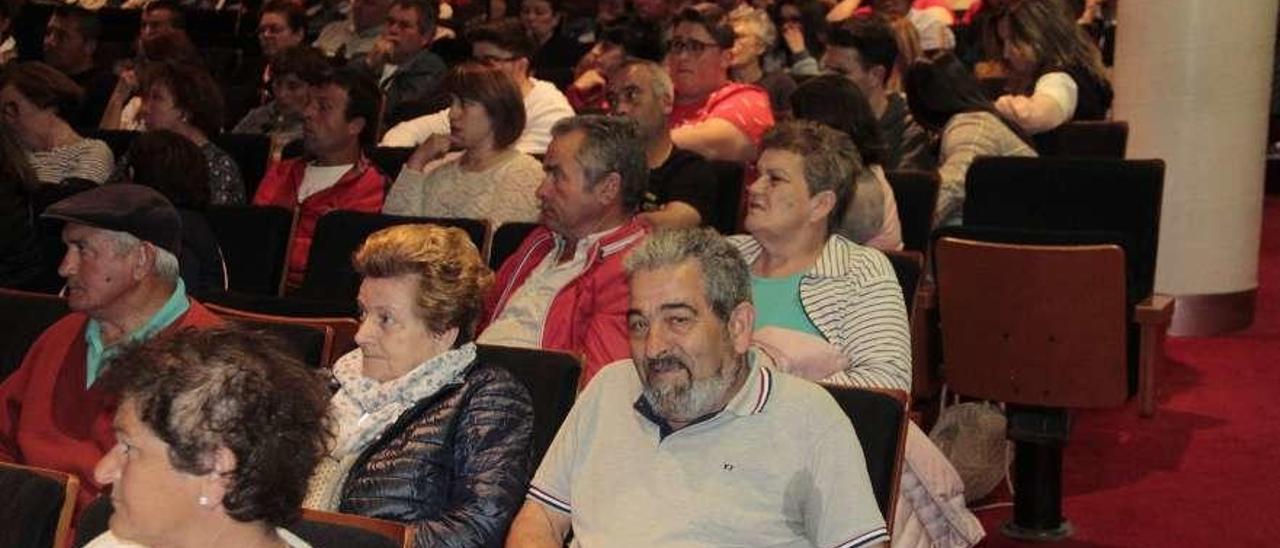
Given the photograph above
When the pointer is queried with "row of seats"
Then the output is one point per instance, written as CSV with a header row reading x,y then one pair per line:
x,y
551,378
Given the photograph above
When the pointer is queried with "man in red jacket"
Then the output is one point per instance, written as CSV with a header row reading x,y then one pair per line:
x,y
340,120
564,288
122,278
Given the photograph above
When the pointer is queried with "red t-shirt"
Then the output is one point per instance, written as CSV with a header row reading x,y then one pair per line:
x,y
744,105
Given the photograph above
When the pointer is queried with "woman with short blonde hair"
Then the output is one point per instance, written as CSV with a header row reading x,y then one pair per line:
x,y
426,434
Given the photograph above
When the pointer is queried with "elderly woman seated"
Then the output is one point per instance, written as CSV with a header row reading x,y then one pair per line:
x,y
426,434
831,310
217,432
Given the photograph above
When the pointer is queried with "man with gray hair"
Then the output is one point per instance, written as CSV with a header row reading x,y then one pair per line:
x,y
122,286
691,442
563,288
682,187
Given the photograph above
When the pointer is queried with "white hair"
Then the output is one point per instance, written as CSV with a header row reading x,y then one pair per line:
x,y
165,266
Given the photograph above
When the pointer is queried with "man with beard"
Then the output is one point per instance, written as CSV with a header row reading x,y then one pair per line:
x,y
692,442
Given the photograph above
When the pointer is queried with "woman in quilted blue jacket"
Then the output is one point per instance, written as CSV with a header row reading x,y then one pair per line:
x,y
425,434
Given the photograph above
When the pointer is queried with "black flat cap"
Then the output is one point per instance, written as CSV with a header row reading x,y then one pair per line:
x,y
136,209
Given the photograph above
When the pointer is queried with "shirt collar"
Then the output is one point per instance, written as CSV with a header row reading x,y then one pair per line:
x,y
96,353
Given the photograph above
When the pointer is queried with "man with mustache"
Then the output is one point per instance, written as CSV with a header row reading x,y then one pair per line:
x,y
563,289
123,286
692,443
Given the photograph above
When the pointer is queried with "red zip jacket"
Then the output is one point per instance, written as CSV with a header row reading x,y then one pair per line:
x,y
363,188
588,316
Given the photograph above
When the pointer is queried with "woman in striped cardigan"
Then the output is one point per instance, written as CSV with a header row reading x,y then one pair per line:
x,y
830,310
827,308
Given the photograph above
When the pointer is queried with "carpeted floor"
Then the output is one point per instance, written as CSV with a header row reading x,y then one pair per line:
x,y
1206,470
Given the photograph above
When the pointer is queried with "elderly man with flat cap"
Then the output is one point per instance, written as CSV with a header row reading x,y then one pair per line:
x,y
122,278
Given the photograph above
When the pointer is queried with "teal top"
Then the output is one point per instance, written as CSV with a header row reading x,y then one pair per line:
x,y
778,304
96,353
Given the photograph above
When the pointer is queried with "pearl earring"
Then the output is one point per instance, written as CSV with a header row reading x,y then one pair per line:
x,y
203,500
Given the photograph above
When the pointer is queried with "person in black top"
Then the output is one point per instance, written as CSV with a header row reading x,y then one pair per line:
x,y
1056,70
176,167
682,187
19,250
557,54
70,40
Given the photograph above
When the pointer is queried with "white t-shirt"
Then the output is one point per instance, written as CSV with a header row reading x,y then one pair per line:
x,y
520,322
544,105
1060,87
318,178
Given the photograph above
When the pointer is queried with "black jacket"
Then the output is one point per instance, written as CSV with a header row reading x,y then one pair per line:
x,y
455,466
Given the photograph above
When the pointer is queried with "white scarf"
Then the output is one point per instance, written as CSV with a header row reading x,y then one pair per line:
x,y
363,408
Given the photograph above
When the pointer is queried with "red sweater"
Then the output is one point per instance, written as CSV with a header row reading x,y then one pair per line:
x,y
47,416
360,189
588,317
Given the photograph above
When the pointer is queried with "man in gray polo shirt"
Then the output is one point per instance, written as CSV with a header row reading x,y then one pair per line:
x,y
691,443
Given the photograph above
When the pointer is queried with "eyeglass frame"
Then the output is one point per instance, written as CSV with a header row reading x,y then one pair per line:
x,y
692,47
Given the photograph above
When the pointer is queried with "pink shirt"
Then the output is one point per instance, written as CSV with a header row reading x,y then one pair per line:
x,y
744,105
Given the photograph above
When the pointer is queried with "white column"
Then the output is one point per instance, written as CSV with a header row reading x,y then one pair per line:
x,y
1193,79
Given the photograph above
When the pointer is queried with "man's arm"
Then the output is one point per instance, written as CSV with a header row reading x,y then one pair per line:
x,y
716,139
672,215
537,526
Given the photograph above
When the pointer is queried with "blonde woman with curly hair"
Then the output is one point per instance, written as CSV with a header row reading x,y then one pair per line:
x,y
425,434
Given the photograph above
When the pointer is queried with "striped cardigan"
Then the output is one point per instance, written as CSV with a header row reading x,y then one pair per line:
x,y
852,296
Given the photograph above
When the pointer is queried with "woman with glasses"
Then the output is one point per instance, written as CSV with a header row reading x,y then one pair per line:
x,y
489,179
713,116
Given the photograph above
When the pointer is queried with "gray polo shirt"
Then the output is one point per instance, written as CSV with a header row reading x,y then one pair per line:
x,y
779,466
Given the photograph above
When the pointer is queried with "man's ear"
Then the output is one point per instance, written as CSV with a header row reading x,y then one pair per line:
x,y
356,126
608,190
878,73
742,321
144,260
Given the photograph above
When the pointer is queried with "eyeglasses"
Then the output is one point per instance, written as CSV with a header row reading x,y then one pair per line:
x,y
692,47
491,59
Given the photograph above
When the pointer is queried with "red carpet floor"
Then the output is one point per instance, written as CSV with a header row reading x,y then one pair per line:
x,y
1205,471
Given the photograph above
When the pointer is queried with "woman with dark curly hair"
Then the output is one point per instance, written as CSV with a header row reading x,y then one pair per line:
x,y
186,100
175,167
426,434
217,432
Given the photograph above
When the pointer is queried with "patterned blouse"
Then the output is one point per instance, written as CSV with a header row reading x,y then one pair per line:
x,y
225,183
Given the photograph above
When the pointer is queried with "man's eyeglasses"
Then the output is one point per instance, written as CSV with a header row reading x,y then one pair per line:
x,y
491,60
692,47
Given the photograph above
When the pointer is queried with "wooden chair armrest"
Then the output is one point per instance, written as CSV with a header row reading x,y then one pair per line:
x,y
1153,314
1156,310
926,296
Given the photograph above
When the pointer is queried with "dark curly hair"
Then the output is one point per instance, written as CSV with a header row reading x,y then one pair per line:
x,y
194,91
171,164
200,390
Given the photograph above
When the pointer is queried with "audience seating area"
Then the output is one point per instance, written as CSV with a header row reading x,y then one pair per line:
x,y
1043,299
